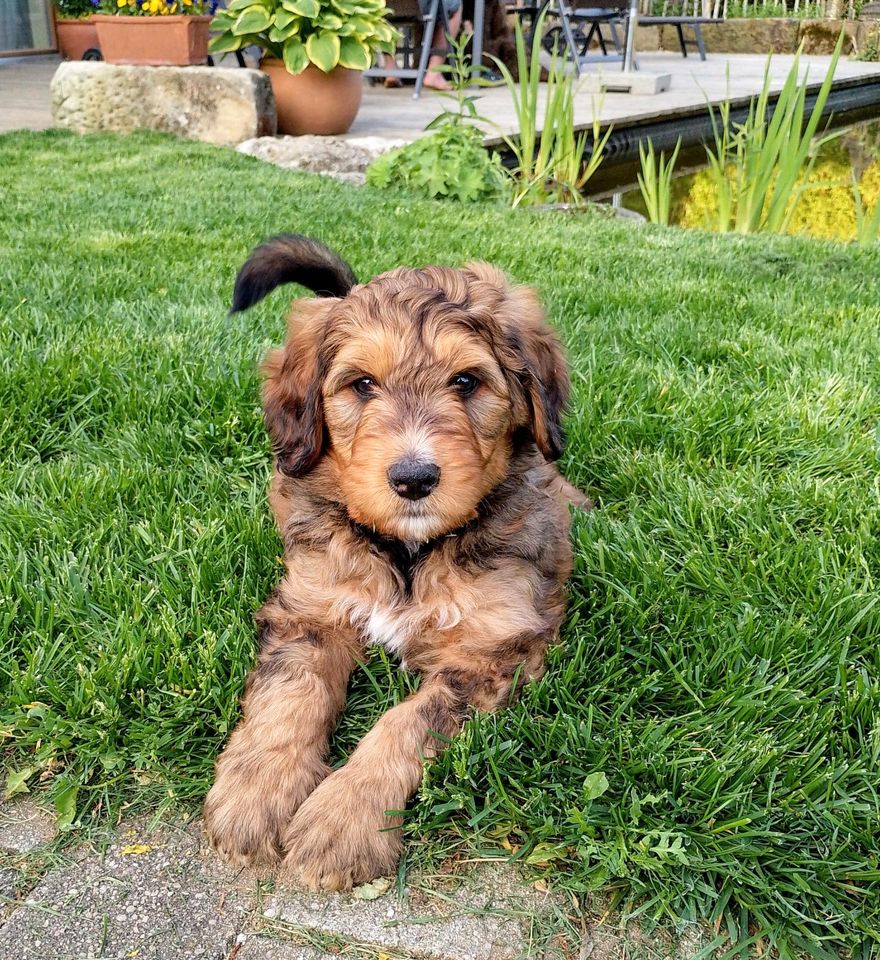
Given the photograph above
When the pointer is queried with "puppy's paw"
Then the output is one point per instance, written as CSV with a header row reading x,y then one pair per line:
x,y
250,807
341,836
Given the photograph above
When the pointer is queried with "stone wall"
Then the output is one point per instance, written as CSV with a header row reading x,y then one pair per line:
x,y
766,35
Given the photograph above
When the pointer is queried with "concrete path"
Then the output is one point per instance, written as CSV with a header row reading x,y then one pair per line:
x,y
24,92
161,895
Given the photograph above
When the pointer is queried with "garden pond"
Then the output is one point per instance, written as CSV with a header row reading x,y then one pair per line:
x,y
827,211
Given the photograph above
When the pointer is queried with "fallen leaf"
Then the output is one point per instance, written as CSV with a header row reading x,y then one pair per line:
x,y
372,891
16,782
135,849
541,885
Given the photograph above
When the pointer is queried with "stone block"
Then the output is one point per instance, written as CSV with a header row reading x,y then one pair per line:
x,y
758,35
213,104
345,158
819,37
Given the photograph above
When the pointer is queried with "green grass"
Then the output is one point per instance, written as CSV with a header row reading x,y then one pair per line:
x,y
721,663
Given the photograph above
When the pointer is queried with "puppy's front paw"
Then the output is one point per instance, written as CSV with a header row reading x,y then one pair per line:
x,y
341,836
251,805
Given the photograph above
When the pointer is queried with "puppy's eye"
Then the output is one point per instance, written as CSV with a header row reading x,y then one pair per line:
x,y
364,386
464,383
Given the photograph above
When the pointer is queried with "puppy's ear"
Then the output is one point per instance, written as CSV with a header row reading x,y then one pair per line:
x,y
534,353
293,407
291,258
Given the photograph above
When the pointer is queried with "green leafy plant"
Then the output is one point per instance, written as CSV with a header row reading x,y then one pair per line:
x,y
450,163
760,168
326,33
655,181
550,155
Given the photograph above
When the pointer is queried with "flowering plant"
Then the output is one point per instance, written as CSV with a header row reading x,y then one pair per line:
x,y
75,9
326,33
158,8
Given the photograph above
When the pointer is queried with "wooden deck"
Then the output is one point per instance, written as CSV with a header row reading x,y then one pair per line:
x,y
393,114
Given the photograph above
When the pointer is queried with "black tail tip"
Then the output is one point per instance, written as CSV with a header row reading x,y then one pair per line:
x,y
291,258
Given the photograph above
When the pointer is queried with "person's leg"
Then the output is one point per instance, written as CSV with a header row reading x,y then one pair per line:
x,y
434,79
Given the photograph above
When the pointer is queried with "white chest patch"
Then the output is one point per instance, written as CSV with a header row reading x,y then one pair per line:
x,y
384,627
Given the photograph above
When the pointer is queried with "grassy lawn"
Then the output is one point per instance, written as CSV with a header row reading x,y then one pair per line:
x,y
706,744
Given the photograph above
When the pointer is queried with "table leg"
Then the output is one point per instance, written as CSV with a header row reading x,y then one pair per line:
x,y
479,21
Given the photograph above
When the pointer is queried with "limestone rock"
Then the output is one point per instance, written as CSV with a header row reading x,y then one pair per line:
x,y
343,158
820,36
217,105
748,35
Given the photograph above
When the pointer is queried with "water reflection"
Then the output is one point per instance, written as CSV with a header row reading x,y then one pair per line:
x,y
826,211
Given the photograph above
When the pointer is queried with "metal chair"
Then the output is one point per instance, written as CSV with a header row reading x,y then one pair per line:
x,y
579,27
407,16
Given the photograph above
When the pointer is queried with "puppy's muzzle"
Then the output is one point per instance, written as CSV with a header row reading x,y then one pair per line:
x,y
413,479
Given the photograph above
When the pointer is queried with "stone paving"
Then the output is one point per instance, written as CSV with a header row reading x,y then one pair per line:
x,y
161,895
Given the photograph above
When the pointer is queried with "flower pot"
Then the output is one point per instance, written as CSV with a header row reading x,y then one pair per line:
x,y
176,41
313,101
75,37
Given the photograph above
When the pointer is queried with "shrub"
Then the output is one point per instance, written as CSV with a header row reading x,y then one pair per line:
x,y
450,164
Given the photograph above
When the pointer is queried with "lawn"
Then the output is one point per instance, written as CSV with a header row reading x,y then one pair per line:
x,y
706,743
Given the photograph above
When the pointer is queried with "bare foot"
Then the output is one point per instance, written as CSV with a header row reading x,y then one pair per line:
x,y
436,81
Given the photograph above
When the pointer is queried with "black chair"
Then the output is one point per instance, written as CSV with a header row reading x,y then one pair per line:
x,y
417,33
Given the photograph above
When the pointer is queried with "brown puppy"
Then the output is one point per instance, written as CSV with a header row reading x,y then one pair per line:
x,y
412,419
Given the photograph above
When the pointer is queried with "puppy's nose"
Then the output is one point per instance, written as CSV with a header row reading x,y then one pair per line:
x,y
413,479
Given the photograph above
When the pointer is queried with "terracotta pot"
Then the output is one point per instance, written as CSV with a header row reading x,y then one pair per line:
x,y
313,101
177,41
75,37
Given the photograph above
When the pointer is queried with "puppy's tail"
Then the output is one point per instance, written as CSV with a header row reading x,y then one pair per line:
x,y
291,258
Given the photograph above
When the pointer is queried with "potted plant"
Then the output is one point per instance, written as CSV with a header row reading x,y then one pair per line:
x,y
75,28
155,32
315,52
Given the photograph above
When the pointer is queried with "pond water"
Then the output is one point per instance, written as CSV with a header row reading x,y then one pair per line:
x,y
827,211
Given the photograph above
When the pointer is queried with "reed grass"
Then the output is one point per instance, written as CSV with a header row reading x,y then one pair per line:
x,y
655,181
760,168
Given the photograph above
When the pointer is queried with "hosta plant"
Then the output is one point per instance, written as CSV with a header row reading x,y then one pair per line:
x,y
326,33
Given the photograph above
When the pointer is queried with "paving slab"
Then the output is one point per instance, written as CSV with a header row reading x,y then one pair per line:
x,y
151,895
160,894
25,826
486,913
266,948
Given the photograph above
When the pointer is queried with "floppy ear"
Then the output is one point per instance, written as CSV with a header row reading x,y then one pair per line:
x,y
533,352
293,408
547,373
291,258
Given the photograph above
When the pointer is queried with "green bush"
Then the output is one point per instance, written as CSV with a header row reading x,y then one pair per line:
x,y
450,164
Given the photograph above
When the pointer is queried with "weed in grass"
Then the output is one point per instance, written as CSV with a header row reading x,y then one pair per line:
x,y
720,665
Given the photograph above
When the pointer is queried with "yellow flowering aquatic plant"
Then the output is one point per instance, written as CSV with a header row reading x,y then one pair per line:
x,y
326,33
158,8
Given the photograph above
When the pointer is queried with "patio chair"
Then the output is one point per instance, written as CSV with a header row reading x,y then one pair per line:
x,y
579,27
417,31
674,13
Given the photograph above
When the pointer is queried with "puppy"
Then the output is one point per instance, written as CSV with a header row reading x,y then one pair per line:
x,y
414,420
